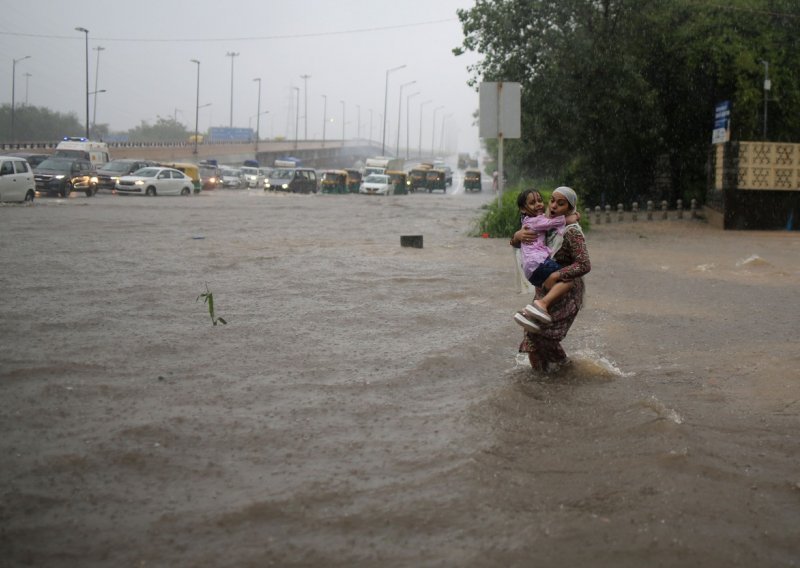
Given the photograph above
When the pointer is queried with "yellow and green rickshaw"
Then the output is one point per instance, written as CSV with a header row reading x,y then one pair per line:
x,y
353,180
399,180
334,181
472,180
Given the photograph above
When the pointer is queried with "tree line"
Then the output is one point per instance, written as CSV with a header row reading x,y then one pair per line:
x,y
40,124
618,96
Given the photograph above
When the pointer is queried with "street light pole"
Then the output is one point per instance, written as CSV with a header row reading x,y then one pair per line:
x,y
14,89
305,79
433,130
324,117
441,138
258,111
342,122
231,54
358,122
400,113
767,86
196,106
98,49
27,76
421,106
408,119
386,104
296,115
86,37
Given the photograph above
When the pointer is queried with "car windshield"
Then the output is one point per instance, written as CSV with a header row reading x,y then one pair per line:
x,y
250,171
146,172
56,165
377,178
281,174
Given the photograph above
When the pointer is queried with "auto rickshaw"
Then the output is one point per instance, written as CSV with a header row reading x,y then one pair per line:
x,y
436,179
399,180
417,178
472,180
353,180
191,170
334,181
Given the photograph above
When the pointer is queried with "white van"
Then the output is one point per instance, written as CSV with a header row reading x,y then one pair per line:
x,y
83,148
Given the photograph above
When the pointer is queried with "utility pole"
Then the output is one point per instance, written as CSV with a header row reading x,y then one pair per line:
x,y
231,54
98,49
305,79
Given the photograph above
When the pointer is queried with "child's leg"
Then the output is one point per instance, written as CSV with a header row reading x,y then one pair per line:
x,y
553,294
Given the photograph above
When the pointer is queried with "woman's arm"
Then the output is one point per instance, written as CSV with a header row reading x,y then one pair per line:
x,y
580,265
524,235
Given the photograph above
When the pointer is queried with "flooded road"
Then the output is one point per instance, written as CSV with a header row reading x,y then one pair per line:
x,y
365,404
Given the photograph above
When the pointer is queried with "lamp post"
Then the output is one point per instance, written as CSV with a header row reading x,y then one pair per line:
x,y
767,87
386,104
258,111
14,89
196,106
27,76
421,106
400,113
358,122
86,37
433,130
342,122
296,115
232,54
305,79
324,117
98,49
441,137
408,119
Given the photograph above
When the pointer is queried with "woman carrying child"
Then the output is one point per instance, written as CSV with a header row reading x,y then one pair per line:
x,y
570,252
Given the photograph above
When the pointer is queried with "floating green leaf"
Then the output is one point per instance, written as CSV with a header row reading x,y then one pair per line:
x,y
208,299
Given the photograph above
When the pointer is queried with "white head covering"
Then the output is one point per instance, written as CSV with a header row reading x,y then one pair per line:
x,y
554,239
569,194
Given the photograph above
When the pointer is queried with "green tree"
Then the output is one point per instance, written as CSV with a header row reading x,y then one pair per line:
x,y
38,124
164,130
618,96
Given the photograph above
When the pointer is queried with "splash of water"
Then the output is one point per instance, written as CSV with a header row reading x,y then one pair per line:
x,y
661,410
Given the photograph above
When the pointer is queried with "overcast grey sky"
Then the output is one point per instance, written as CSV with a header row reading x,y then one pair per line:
x,y
346,46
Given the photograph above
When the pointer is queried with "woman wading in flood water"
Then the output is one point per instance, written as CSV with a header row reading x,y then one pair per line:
x,y
569,250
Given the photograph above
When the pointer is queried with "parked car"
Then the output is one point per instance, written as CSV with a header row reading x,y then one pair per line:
x,y
33,159
156,181
296,180
63,175
377,184
108,174
16,179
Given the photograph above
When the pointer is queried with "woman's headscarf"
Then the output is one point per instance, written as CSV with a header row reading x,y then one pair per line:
x,y
554,239
569,194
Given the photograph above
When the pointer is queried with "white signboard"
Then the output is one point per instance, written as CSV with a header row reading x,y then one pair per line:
x,y
500,110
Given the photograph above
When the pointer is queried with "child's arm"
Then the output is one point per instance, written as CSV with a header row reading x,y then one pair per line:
x,y
542,223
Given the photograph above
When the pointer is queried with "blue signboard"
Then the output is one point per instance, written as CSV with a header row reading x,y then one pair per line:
x,y
224,134
722,123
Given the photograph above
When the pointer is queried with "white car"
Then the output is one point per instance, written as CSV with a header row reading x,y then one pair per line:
x,y
16,179
252,177
155,181
376,184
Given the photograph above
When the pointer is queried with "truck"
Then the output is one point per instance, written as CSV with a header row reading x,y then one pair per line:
x,y
380,164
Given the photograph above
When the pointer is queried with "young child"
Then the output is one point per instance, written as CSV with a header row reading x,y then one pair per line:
x,y
536,261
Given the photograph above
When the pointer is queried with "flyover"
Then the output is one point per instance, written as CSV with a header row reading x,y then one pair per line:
x,y
312,153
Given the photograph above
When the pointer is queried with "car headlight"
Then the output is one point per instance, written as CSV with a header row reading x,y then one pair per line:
x,y
139,182
93,179
60,176
285,186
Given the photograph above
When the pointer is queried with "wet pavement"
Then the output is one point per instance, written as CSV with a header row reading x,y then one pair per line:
x,y
365,404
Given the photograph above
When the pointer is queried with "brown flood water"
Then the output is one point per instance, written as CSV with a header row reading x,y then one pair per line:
x,y
365,405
